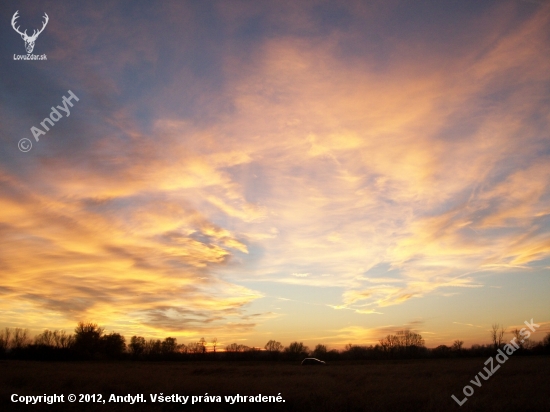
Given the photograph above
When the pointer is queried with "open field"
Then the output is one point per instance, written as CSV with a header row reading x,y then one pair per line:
x,y
407,385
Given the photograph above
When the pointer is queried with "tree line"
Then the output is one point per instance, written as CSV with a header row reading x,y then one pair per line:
x,y
90,342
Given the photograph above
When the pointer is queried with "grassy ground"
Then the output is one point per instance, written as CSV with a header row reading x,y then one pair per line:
x,y
521,384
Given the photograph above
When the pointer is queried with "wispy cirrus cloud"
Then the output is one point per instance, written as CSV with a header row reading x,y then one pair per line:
x,y
379,167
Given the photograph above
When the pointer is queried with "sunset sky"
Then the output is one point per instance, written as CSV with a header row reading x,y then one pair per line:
x,y
317,171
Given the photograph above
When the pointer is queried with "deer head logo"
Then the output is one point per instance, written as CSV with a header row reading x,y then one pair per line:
x,y
29,40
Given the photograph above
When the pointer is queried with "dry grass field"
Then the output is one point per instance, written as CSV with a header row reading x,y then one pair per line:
x,y
521,384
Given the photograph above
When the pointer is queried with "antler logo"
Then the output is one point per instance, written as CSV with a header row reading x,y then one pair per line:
x,y
29,40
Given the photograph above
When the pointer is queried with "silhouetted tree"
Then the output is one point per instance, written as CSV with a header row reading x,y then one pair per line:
x,y
332,354
202,343
404,342
409,339
20,338
137,346
235,347
497,334
57,339
153,348
5,337
194,347
182,348
49,345
45,338
296,350
320,351
169,346
273,346
273,349
442,351
62,340
390,344
356,352
113,345
520,340
87,339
